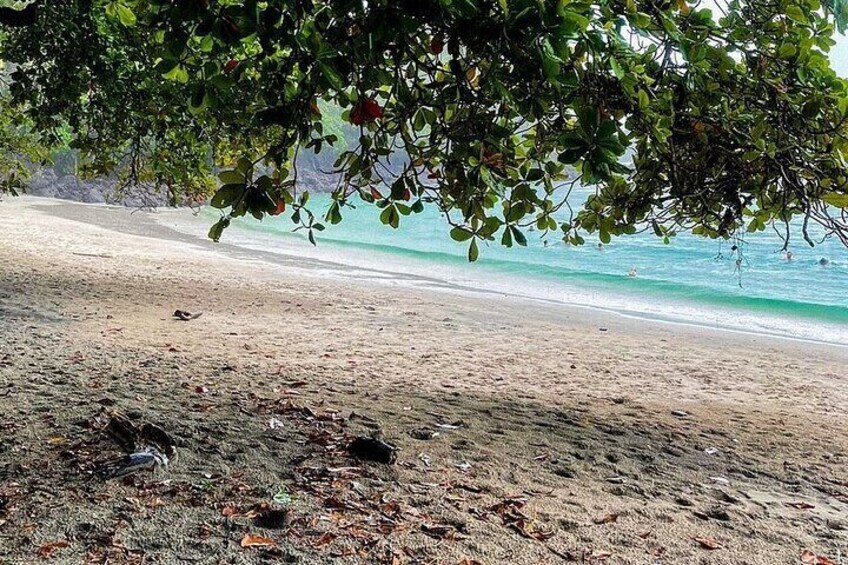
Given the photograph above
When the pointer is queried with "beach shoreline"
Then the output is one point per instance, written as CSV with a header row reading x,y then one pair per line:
x,y
618,436
171,224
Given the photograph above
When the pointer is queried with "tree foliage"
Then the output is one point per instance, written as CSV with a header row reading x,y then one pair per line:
x,y
682,117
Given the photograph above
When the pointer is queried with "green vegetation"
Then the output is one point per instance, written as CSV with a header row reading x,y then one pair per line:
x,y
683,118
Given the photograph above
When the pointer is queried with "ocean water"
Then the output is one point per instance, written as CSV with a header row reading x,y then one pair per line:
x,y
691,280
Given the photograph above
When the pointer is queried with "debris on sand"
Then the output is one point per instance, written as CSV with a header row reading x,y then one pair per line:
x,y
372,449
185,316
442,531
708,543
810,558
148,447
253,540
146,460
423,434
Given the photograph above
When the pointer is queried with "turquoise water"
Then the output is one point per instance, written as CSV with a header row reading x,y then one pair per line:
x,y
690,280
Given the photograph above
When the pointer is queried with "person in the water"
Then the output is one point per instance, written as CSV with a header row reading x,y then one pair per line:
x,y
632,272
824,262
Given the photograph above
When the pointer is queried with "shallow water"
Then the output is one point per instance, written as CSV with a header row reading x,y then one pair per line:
x,y
691,280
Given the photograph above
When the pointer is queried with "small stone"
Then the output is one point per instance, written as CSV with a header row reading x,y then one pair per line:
x,y
423,434
565,472
717,513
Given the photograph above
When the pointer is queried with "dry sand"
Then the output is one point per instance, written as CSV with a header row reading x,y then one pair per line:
x,y
563,434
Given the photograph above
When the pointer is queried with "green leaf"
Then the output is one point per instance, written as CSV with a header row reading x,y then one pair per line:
x,y
331,75
835,199
616,68
125,14
518,236
218,228
506,238
226,195
787,51
460,234
231,177
390,217
178,73
644,101
473,251
571,156
198,100
796,13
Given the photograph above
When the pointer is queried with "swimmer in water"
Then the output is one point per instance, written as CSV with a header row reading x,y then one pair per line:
x,y
824,262
787,255
632,272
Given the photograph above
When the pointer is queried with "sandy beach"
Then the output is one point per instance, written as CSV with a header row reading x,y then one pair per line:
x,y
527,433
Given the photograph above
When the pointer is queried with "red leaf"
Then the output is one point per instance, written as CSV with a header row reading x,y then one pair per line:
x,y
437,45
810,558
254,540
230,66
46,550
376,193
357,117
281,207
708,543
372,109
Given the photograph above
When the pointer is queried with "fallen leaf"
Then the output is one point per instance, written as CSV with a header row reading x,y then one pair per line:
x,y
708,543
254,540
801,505
810,558
468,561
326,538
600,555
608,519
46,550
441,531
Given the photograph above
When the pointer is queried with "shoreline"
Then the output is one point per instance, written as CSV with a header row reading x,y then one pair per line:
x,y
157,227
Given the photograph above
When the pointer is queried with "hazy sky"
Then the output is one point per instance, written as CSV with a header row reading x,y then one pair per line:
x,y
839,55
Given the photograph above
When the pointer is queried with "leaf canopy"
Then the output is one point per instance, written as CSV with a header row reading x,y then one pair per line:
x,y
681,117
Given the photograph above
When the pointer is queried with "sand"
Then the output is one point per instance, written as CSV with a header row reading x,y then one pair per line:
x,y
563,434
